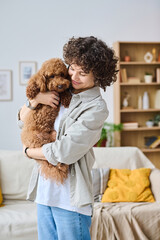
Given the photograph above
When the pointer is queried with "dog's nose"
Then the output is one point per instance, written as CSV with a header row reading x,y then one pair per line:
x,y
60,86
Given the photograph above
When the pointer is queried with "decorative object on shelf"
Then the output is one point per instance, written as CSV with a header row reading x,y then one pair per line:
x,y
123,72
159,56
148,57
154,54
148,77
125,103
26,70
157,99
130,125
140,103
134,80
5,85
127,58
145,100
150,123
158,75
152,142
106,139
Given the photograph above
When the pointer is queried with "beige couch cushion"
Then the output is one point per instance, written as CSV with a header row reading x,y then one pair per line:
x,y
15,172
18,220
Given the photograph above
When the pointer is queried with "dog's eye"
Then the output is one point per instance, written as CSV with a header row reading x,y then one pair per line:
x,y
52,76
62,74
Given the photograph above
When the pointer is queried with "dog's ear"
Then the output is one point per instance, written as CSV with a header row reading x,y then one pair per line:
x,y
36,84
65,98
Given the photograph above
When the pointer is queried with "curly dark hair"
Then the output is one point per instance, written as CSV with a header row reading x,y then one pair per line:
x,y
93,55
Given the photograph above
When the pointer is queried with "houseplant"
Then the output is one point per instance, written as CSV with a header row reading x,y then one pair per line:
x,y
107,132
148,77
150,123
157,120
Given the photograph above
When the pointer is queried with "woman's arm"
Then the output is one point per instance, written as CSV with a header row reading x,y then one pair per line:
x,y
46,98
35,153
76,141
78,138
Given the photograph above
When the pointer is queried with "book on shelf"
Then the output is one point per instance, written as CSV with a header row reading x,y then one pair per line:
x,y
133,80
129,125
152,142
158,75
123,72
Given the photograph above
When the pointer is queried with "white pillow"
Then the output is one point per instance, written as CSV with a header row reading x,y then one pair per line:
x,y
99,178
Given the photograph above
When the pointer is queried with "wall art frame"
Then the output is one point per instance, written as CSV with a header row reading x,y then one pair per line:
x,y
5,85
26,70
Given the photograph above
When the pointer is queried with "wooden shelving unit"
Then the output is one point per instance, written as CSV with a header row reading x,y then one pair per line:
x,y
139,63
136,67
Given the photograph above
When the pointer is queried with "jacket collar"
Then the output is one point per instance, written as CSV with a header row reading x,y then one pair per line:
x,y
88,95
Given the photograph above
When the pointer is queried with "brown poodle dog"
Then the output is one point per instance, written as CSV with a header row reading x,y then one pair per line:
x,y
39,124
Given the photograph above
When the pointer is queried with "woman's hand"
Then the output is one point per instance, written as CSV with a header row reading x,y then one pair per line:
x,y
48,98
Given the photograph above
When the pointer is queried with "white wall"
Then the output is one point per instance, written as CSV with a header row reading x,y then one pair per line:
x,y
36,30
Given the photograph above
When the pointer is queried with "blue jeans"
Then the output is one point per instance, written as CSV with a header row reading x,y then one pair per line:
x,y
59,224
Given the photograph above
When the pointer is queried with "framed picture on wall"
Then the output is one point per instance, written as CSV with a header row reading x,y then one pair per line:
x,y
26,70
5,85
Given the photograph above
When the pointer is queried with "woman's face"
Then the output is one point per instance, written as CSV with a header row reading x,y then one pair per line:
x,y
80,79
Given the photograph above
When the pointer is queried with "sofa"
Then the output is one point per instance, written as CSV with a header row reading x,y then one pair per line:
x,y
126,220
118,221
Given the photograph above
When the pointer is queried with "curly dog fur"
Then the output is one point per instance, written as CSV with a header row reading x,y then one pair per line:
x,y
39,124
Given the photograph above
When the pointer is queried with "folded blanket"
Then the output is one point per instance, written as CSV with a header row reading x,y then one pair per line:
x,y
126,221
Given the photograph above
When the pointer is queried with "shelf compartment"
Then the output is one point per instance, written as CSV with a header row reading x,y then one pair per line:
x,y
148,150
139,110
141,129
138,63
140,84
137,50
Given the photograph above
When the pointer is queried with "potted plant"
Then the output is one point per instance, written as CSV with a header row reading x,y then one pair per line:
x,y
157,120
103,139
148,77
127,58
107,134
150,123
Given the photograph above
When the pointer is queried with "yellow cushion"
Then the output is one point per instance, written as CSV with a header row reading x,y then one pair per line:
x,y
127,185
1,198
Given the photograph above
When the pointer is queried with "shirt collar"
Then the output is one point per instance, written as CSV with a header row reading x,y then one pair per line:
x,y
88,95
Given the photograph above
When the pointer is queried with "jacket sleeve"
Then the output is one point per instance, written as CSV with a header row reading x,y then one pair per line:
x,y
78,138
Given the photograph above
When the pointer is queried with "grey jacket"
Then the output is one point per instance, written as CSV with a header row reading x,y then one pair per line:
x,y
79,129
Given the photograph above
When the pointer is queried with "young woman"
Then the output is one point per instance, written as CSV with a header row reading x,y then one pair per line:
x,y
64,211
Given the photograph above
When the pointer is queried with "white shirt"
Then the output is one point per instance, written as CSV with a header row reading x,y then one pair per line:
x,y
51,194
